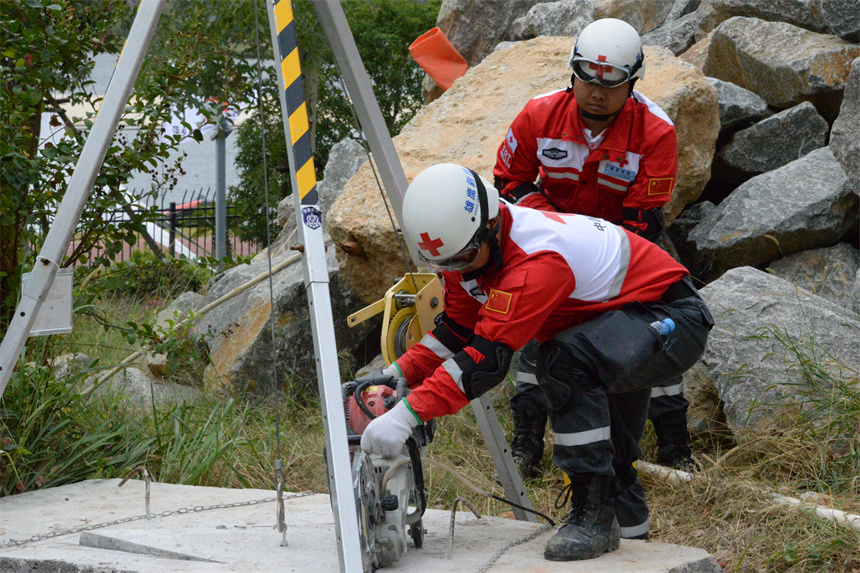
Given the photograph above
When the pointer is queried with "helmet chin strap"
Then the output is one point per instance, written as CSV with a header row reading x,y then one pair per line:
x,y
485,234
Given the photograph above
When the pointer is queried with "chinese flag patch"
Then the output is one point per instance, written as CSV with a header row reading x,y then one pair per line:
x,y
660,186
499,301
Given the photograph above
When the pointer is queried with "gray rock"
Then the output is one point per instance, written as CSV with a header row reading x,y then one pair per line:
x,y
855,293
772,143
137,387
65,364
676,36
739,107
829,272
685,249
706,565
764,328
842,18
845,137
682,8
344,159
178,310
474,28
239,337
801,13
804,205
782,63
644,15
563,18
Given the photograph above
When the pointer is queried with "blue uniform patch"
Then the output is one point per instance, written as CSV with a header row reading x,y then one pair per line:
x,y
619,173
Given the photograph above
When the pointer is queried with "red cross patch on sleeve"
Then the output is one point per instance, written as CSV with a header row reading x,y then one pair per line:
x,y
499,301
660,185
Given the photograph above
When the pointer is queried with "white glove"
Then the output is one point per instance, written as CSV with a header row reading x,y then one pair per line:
x,y
392,370
386,434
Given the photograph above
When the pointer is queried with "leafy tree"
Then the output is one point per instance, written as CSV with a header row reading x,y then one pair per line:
x,y
199,52
383,31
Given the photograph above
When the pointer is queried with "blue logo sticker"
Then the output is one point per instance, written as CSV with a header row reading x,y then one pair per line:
x,y
312,217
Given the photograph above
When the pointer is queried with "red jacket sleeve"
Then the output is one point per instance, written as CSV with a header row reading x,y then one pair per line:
x,y
658,168
514,312
516,159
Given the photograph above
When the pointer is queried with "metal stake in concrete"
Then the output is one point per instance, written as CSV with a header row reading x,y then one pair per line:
x,y
79,187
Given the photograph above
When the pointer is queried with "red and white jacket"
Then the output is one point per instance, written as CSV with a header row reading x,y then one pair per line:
x,y
559,270
634,166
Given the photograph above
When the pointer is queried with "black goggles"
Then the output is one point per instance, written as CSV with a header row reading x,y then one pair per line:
x,y
458,261
593,72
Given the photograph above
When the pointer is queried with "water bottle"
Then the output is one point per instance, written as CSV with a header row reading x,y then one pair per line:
x,y
664,327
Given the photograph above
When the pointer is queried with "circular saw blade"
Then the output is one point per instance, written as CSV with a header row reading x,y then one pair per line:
x,y
367,505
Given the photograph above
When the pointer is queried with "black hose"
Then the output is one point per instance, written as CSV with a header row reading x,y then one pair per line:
x,y
509,502
360,401
417,473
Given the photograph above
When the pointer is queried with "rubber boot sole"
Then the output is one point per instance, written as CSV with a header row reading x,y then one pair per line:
x,y
560,555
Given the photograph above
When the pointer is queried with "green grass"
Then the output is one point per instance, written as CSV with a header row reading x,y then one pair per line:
x,y
51,435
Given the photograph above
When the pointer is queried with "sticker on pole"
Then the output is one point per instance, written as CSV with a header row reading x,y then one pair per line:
x,y
312,217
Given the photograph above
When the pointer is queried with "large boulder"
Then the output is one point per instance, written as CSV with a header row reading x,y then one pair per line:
x,y
739,107
239,335
476,28
644,15
467,124
838,17
563,18
769,333
772,143
829,272
676,36
782,63
806,204
845,136
344,159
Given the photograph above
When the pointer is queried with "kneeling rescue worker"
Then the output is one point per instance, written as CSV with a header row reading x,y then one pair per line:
x,y
592,293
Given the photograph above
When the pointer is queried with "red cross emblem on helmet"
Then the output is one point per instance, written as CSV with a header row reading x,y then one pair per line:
x,y
430,245
598,69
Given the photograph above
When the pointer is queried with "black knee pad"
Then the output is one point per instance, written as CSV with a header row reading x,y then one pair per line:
x,y
561,375
478,377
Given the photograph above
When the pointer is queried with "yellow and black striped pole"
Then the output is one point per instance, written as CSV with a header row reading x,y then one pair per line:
x,y
309,220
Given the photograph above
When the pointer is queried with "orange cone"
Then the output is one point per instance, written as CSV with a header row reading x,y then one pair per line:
x,y
436,56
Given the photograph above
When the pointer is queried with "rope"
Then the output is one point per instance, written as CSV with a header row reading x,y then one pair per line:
x,y
280,522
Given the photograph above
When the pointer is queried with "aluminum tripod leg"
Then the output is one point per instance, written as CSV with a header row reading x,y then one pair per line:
x,y
80,185
337,30
309,222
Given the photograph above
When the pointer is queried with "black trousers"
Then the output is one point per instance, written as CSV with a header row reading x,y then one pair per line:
x,y
597,379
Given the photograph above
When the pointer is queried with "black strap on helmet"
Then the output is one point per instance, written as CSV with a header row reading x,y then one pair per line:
x,y
483,233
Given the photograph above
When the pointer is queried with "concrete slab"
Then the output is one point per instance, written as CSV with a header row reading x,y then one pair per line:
x,y
191,522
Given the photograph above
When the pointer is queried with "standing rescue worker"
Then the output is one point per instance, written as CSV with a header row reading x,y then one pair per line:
x,y
596,148
591,292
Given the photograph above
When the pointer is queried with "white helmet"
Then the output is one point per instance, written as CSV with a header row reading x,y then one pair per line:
x,y
445,210
608,52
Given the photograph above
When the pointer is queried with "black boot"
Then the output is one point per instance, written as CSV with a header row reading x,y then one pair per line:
x,y
673,443
527,444
590,528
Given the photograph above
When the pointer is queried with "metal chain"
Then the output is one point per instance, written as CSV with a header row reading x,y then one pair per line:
x,y
180,511
501,551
